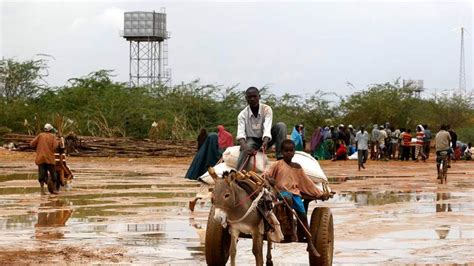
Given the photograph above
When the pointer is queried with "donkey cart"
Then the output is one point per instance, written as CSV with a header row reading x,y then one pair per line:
x,y
218,239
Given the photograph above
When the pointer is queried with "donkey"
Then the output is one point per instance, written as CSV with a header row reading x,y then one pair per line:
x,y
232,204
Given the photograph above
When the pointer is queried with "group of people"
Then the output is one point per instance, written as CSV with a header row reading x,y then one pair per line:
x,y
384,142
330,143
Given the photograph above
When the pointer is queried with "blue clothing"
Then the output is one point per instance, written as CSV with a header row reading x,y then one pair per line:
x,y
208,155
297,201
297,139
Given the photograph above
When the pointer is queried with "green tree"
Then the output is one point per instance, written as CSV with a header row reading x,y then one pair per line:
x,y
23,79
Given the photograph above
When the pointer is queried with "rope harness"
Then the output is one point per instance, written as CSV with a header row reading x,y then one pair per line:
x,y
252,207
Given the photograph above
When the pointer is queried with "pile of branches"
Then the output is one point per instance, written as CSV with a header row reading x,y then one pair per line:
x,y
111,147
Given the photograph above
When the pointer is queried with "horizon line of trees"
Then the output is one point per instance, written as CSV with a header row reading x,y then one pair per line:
x,y
96,105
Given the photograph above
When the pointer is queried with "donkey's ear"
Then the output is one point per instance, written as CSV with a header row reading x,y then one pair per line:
x,y
212,172
226,178
232,176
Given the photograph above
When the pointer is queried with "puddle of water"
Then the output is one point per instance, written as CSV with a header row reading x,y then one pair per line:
x,y
4,178
149,186
53,219
19,190
12,166
374,198
440,232
340,179
5,202
370,198
144,227
160,195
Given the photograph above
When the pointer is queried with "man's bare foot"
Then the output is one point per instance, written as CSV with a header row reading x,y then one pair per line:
x,y
43,192
54,193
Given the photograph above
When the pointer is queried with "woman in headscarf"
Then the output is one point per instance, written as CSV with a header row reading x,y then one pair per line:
x,y
208,154
328,144
317,139
296,138
225,138
201,138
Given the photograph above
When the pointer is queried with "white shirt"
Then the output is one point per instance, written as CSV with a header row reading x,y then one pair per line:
x,y
382,136
362,140
249,126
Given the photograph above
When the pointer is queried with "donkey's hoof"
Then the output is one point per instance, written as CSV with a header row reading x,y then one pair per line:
x,y
269,263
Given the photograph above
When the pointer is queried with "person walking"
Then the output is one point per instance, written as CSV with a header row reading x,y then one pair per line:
x,y
454,140
45,144
427,141
420,135
382,147
362,143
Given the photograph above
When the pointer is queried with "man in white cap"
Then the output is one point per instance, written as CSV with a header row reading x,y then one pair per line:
x,y
45,144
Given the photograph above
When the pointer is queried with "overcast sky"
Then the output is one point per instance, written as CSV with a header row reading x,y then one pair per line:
x,y
291,47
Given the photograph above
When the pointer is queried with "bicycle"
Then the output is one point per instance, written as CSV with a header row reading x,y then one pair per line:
x,y
442,165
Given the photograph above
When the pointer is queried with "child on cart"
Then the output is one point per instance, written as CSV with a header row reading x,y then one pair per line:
x,y
290,181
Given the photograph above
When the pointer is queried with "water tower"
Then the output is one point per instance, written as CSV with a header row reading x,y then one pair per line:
x,y
146,32
415,84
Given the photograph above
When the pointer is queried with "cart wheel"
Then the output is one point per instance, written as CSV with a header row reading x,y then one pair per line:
x,y
322,232
217,242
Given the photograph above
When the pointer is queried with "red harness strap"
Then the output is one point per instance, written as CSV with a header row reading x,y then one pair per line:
x,y
241,202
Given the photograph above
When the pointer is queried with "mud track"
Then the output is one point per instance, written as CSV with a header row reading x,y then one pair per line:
x,y
135,211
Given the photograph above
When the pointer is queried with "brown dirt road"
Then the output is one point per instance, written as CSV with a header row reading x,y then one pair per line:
x,y
124,210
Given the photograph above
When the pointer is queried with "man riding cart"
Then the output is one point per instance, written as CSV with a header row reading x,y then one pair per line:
x,y
243,205
240,207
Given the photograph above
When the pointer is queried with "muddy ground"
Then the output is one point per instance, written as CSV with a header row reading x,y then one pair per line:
x,y
135,211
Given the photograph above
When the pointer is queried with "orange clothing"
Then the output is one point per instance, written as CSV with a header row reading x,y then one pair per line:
x,y
45,144
293,180
406,139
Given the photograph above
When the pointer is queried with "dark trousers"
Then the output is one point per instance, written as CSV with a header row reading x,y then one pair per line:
x,y
389,149
426,148
362,156
405,153
278,132
43,170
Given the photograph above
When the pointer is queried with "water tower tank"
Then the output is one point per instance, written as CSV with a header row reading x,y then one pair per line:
x,y
148,37
140,25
